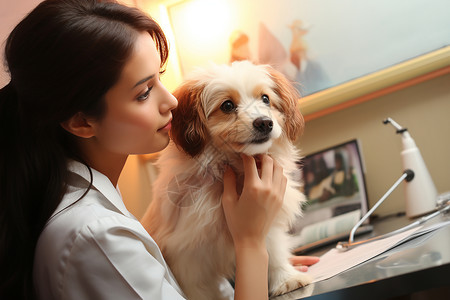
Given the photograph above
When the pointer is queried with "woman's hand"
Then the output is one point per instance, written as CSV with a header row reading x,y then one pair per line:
x,y
249,217
302,263
250,214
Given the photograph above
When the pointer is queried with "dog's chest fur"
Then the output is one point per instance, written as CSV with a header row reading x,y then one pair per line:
x,y
193,187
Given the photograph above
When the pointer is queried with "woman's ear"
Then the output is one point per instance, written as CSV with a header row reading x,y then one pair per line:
x,y
79,125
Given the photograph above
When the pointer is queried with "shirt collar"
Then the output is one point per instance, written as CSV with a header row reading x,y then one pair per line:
x,y
101,183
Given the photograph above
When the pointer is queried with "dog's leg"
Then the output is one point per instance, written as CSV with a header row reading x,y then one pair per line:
x,y
283,277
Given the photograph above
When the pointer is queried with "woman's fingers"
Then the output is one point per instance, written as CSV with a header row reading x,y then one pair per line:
x,y
250,214
303,260
270,173
301,263
302,268
267,170
279,179
229,186
250,169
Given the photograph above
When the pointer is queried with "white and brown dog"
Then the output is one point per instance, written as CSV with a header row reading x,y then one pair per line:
x,y
224,111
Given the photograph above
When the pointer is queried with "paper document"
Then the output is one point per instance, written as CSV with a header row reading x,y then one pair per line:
x,y
334,262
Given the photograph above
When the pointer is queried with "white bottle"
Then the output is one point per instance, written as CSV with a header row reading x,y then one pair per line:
x,y
420,193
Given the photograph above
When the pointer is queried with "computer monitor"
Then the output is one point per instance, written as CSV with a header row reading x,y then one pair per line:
x,y
334,185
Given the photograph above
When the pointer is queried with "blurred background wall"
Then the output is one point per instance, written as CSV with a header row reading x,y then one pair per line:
x,y
423,108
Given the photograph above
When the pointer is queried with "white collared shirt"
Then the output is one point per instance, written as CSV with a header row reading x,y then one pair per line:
x,y
95,249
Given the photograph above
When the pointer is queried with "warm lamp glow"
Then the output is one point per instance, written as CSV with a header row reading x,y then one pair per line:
x,y
202,28
205,20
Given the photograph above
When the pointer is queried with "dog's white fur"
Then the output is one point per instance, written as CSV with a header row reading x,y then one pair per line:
x,y
186,217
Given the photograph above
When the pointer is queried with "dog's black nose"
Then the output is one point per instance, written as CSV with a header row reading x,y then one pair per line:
x,y
263,125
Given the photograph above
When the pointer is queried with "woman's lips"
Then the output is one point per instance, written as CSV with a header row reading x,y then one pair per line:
x,y
166,127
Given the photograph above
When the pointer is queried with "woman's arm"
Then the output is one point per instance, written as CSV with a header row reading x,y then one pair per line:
x,y
249,217
251,272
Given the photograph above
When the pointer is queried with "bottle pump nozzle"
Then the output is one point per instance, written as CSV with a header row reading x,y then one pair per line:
x,y
399,128
420,193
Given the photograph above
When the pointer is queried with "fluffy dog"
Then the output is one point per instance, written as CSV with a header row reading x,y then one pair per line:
x,y
224,111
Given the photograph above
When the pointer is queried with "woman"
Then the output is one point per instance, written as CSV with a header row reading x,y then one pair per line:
x,y
84,94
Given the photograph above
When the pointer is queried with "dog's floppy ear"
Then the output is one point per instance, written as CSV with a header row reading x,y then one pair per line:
x,y
188,125
294,122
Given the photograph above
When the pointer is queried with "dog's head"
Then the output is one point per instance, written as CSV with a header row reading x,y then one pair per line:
x,y
240,107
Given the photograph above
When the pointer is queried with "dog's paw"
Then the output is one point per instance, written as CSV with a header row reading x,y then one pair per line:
x,y
295,281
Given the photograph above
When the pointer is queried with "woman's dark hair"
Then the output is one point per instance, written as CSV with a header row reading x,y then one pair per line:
x,y
62,58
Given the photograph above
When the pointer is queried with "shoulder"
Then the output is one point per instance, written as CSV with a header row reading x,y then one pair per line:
x,y
91,246
92,220
93,213
87,224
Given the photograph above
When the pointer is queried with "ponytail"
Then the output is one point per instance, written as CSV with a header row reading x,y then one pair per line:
x,y
31,176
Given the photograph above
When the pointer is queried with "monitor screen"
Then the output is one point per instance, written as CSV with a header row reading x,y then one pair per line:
x,y
334,185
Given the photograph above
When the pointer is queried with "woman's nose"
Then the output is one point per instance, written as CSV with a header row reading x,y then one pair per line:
x,y
169,102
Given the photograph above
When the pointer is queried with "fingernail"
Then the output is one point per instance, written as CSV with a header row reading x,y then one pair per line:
x,y
302,268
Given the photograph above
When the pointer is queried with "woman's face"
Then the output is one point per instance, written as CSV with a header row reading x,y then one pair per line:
x,y
138,114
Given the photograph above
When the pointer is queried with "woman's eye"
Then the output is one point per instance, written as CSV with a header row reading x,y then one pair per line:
x,y
145,95
228,106
265,99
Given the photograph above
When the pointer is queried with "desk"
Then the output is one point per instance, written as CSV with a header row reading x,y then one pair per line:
x,y
417,265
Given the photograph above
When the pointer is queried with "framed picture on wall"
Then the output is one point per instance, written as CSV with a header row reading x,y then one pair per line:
x,y
321,45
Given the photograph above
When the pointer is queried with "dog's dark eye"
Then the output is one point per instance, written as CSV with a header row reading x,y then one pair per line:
x,y
265,99
228,106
